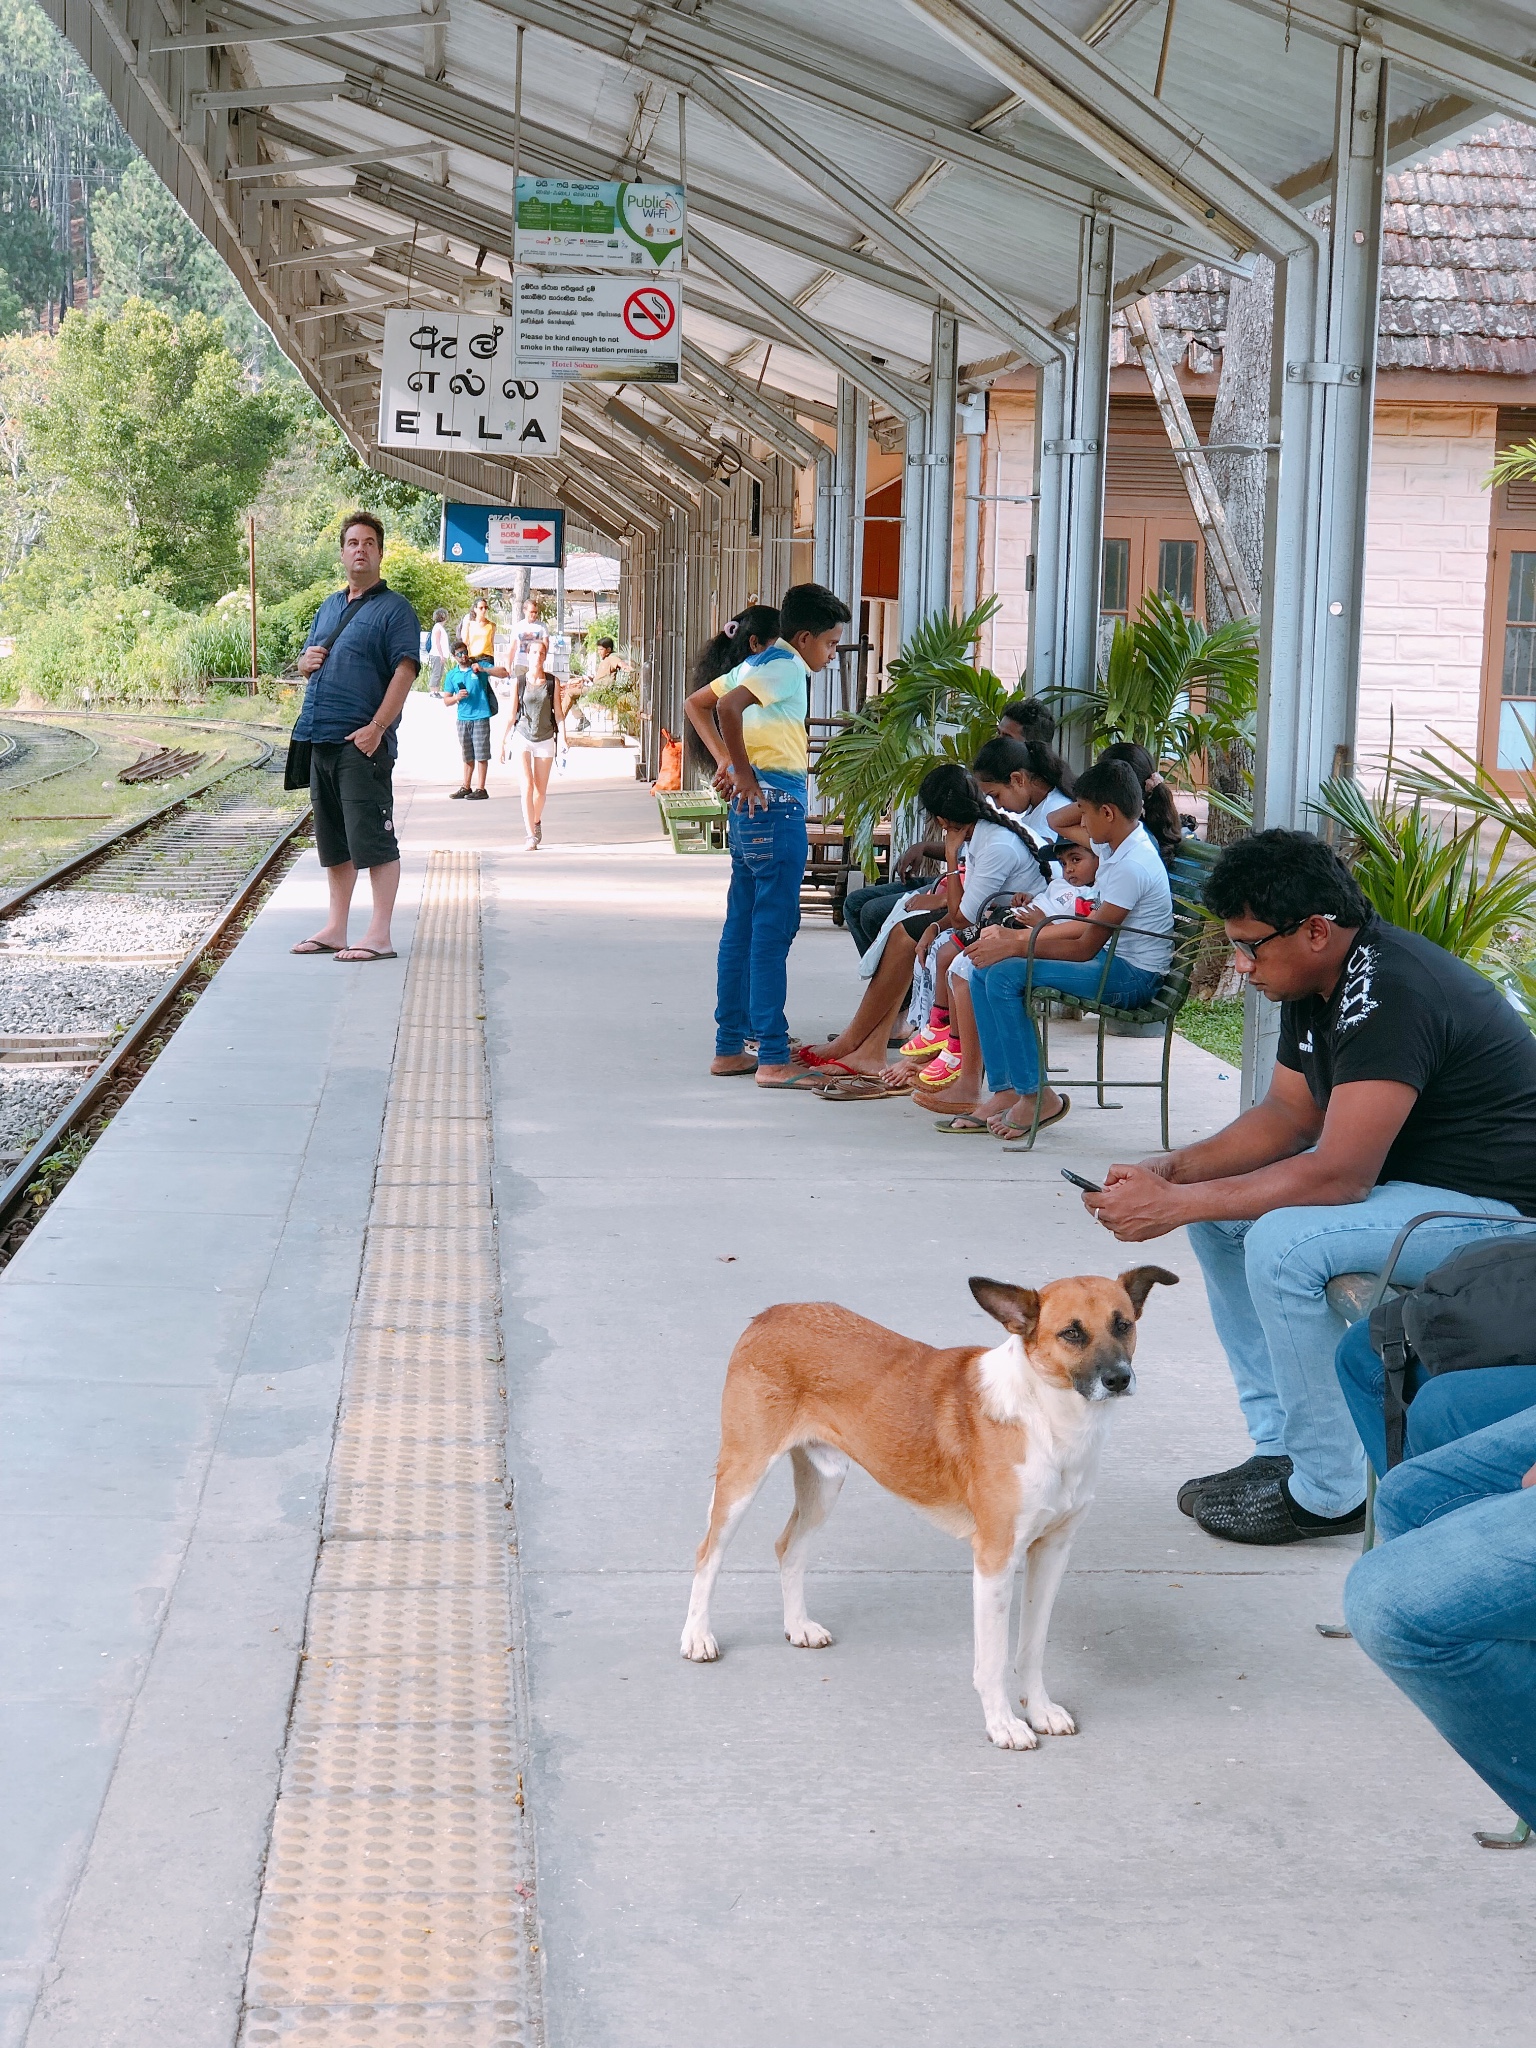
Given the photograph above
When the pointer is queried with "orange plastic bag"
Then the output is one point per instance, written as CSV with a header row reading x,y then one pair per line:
x,y
670,773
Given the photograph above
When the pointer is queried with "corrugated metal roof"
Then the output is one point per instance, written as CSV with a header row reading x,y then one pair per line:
x,y
896,106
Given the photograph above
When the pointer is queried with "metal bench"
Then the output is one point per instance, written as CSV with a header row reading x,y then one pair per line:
x,y
1188,877
694,819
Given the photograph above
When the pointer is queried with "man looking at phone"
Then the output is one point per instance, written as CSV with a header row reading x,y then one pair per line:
x,y
1404,1082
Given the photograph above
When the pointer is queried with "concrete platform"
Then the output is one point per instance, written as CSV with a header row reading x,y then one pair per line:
x,y
1253,1839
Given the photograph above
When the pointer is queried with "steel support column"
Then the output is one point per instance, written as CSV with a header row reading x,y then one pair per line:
x,y
1322,384
849,483
939,468
1087,432
1047,588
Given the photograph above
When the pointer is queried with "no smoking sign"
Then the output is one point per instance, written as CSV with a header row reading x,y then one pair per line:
x,y
649,314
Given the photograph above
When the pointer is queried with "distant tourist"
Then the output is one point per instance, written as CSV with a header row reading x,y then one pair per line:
x,y
465,685
478,631
439,651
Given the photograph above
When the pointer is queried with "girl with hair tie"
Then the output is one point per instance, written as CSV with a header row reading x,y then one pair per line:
x,y
1000,859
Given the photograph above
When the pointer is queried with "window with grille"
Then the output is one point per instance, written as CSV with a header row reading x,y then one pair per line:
x,y
1517,711
1176,561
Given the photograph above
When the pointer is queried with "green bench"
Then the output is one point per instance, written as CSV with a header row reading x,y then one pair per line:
x,y
694,819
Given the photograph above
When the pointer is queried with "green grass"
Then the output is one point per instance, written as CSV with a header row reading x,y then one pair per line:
x,y
1218,1027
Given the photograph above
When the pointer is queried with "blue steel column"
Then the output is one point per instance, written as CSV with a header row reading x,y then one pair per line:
x,y
1088,427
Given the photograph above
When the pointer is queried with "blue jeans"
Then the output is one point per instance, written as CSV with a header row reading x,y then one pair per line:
x,y
1265,1284
865,910
762,915
1008,1042
1446,1603
1441,1407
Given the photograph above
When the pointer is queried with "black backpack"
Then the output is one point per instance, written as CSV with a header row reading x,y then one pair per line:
x,y
1478,1309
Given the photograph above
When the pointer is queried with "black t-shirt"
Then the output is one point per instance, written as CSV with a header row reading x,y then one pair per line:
x,y
1406,1010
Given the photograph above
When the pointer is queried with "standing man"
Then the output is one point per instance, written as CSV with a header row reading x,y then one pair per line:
x,y
361,660
1404,1083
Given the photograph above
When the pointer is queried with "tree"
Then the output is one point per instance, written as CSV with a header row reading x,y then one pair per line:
x,y
26,493
1240,414
160,446
146,248
59,141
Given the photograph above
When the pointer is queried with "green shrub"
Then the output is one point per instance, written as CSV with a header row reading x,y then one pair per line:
x,y
425,583
120,643
621,698
283,628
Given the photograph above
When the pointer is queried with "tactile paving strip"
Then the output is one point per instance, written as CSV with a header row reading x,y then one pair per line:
x,y
396,1907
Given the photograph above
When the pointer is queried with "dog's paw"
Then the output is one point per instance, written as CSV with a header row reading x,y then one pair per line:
x,y
1008,1733
699,1645
1046,1718
808,1635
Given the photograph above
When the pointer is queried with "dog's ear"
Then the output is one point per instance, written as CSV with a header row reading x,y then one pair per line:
x,y
1016,1308
1141,1280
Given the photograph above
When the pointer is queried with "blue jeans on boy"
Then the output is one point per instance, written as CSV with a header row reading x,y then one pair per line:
x,y
1441,1407
762,915
1265,1282
1007,1037
1446,1602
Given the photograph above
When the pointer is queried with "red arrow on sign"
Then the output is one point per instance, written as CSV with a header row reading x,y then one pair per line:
x,y
537,532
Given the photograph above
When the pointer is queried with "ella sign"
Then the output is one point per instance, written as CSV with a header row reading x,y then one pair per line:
x,y
449,382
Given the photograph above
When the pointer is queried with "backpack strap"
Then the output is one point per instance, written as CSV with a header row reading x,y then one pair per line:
x,y
1396,1356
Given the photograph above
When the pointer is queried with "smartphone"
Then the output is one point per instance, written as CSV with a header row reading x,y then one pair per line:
x,y
968,934
1089,1187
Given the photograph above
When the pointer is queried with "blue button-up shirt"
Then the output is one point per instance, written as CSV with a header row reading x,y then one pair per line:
x,y
349,685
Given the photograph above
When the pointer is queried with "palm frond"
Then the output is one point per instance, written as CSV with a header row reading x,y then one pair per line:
x,y
939,706
1426,877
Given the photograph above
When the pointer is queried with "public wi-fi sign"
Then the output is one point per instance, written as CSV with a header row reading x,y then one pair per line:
x,y
518,536
598,224
449,381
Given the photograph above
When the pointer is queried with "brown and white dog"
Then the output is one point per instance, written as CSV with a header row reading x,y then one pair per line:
x,y
999,1446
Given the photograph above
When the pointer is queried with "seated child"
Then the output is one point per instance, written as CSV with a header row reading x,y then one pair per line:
x,y
465,685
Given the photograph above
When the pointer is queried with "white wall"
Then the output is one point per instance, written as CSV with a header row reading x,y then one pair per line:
x,y
1426,578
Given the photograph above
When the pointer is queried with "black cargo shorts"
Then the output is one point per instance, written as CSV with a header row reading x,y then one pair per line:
x,y
352,794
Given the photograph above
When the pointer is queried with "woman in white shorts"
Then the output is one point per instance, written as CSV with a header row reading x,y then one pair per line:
x,y
530,736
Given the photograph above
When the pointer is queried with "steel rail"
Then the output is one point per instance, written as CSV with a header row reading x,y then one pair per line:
x,y
115,841
85,1102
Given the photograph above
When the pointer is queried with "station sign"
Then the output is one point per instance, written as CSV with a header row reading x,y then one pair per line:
x,y
595,224
620,330
450,382
517,535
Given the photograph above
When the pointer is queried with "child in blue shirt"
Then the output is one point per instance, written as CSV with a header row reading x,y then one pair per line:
x,y
466,685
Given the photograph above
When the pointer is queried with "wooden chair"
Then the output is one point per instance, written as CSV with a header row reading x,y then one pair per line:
x,y
1188,877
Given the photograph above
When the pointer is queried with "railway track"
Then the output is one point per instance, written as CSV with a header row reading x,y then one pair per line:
x,y
96,955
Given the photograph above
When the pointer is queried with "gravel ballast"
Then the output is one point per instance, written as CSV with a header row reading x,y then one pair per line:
x,y
30,1099
87,921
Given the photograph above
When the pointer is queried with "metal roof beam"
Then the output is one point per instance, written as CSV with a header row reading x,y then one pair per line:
x,y
809,334
666,58
843,83
1462,66
360,25
1090,99
748,403
428,105
608,439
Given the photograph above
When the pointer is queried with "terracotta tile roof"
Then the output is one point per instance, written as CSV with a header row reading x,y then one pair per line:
x,y
1458,282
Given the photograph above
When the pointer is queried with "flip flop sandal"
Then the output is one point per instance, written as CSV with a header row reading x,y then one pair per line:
x,y
963,1126
1012,1133
307,948
820,1063
735,1074
361,955
863,1088
803,1084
